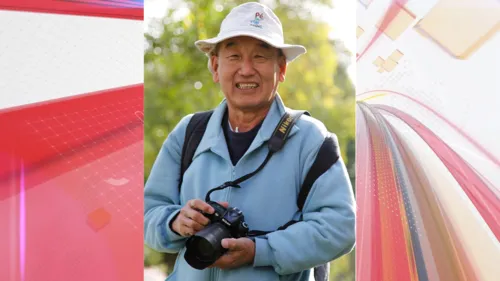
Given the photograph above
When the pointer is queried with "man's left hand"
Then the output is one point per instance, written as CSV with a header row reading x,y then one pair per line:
x,y
241,252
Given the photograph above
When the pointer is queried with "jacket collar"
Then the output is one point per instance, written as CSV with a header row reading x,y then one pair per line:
x,y
214,139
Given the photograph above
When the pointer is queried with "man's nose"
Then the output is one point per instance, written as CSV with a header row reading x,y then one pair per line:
x,y
247,67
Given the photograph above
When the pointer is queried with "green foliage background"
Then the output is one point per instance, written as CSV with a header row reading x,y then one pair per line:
x,y
177,82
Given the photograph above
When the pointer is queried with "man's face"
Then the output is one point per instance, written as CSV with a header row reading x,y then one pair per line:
x,y
248,71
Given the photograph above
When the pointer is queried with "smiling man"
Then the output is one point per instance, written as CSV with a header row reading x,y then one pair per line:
x,y
234,162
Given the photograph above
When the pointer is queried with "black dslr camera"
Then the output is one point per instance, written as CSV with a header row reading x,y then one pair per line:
x,y
204,248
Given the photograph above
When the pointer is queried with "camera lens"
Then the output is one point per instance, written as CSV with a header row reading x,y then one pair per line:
x,y
205,251
204,248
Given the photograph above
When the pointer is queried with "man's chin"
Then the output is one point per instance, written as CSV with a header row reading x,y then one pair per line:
x,y
251,106
249,103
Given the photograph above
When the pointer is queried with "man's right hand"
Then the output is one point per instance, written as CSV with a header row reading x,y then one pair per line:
x,y
190,219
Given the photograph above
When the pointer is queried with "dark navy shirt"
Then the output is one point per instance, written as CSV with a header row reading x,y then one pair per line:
x,y
238,143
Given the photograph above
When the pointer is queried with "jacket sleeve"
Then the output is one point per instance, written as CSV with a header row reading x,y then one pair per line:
x,y
326,232
161,196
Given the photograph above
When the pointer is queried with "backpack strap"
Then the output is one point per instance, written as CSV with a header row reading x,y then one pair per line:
x,y
194,133
322,272
328,155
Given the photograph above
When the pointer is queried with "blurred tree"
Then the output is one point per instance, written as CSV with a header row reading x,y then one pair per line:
x,y
177,82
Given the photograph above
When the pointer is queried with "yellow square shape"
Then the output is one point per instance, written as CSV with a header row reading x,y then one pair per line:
x,y
396,56
397,25
389,65
461,27
359,32
378,61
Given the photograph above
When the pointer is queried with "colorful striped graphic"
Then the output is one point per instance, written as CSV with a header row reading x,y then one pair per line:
x,y
421,236
427,163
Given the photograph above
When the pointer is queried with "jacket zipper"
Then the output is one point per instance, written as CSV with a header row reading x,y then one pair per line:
x,y
216,274
228,194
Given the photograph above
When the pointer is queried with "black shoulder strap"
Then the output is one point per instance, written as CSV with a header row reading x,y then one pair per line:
x,y
328,155
194,133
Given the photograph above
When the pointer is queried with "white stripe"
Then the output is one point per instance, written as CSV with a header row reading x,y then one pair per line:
x,y
48,56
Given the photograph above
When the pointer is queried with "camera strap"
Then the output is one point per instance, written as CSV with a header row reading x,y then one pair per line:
x,y
275,143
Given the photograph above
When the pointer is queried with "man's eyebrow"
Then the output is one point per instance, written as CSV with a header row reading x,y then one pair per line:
x,y
230,44
264,45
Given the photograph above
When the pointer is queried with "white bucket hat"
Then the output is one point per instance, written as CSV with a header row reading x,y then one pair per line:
x,y
257,21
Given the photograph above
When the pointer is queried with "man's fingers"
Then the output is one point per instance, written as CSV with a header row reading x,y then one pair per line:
x,y
191,217
225,261
225,243
193,225
241,251
196,216
200,205
188,227
185,230
231,244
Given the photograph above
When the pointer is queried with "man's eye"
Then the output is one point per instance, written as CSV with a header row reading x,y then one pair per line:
x,y
234,57
260,57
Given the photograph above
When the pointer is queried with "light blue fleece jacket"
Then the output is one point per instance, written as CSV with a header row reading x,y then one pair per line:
x,y
267,200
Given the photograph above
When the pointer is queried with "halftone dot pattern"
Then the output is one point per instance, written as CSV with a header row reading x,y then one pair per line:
x,y
94,191
88,149
93,129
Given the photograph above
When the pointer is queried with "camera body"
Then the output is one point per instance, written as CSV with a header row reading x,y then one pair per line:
x,y
231,217
204,248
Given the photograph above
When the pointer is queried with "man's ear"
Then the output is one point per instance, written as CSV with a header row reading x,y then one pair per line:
x,y
214,60
282,65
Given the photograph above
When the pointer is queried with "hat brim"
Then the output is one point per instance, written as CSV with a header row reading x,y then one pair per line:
x,y
291,52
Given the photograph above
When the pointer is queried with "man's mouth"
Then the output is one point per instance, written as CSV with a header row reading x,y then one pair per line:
x,y
245,86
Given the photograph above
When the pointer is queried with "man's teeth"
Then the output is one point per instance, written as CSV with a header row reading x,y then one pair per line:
x,y
246,85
